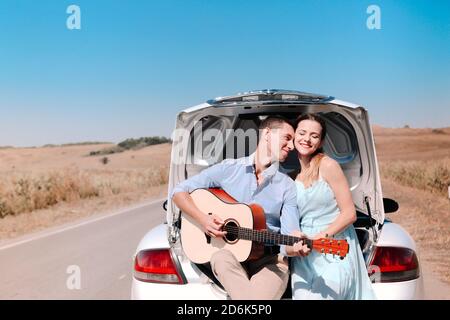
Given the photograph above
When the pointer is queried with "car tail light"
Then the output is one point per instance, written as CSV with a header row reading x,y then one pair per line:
x,y
157,265
393,264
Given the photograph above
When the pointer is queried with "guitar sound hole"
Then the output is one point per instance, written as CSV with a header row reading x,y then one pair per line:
x,y
231,228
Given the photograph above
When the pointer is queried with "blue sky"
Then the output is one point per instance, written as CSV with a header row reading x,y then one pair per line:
x,y
134,64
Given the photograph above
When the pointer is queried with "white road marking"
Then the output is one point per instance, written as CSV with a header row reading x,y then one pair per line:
x,y
44,234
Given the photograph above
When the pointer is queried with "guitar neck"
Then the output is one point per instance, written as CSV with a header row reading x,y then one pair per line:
x,y
266,237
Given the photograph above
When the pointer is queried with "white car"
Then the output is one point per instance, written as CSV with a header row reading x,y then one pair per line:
x,y
162,271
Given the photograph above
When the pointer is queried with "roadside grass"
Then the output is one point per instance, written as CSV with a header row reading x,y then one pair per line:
x,y
432,175
421,189
426,217
24,192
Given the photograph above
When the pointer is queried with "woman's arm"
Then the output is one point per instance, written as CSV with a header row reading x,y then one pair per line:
x,y
332,173
290,223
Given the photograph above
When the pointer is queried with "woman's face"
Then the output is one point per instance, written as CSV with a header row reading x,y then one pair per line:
x,y
308,137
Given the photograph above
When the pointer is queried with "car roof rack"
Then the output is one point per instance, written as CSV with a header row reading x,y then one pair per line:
x,y
270,96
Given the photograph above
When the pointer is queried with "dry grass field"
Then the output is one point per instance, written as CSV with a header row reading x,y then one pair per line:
x,y
42,187
415,171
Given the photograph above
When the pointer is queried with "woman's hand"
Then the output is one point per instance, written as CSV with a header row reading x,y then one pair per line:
x,y
320,235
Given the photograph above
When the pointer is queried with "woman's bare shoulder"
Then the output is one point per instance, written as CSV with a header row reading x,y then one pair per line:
x,y
328,163
329,166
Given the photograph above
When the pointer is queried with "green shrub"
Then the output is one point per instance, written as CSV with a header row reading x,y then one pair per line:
x,y
142,142
131,144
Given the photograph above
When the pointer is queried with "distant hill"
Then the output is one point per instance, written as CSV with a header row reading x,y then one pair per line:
x,y
57,158
382,131
411,143
85,143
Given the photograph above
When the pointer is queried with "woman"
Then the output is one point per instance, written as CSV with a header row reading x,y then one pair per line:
x,y
325,209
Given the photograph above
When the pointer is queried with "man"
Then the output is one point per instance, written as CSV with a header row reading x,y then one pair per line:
x,y
253,179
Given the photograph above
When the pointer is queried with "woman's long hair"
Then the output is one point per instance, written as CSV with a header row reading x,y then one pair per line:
x,y
311,174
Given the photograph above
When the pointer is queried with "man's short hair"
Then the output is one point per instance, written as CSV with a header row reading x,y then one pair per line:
x,y
274,122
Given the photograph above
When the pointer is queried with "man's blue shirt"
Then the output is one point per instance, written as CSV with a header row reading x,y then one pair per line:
x,y
276,194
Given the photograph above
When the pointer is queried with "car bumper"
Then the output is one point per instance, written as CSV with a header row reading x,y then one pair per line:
x,y
159,291
404,290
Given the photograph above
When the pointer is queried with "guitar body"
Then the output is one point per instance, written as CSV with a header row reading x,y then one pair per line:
x,y
200,247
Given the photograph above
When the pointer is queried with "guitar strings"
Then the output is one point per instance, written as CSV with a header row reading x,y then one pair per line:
x,y
270,237
262,236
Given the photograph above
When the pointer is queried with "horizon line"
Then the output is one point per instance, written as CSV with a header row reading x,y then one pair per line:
x,y
80,143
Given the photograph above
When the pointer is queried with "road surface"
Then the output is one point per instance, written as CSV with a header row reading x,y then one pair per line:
x,y
92,259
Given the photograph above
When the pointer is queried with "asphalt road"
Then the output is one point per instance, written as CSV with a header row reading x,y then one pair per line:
x,y
90,259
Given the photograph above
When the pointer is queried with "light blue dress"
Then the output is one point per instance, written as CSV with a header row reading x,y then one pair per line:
x,y
320,276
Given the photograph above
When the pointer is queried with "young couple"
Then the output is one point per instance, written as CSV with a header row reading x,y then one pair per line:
x,y
318,204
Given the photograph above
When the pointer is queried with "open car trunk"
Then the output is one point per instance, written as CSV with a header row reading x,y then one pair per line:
x,y
208,133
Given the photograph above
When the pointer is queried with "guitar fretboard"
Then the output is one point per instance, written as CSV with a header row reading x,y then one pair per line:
x,y
266,237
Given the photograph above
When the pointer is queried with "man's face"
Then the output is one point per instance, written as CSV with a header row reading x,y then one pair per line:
x,y
280,142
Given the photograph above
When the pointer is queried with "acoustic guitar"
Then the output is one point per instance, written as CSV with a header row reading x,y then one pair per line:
x,y
246,231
